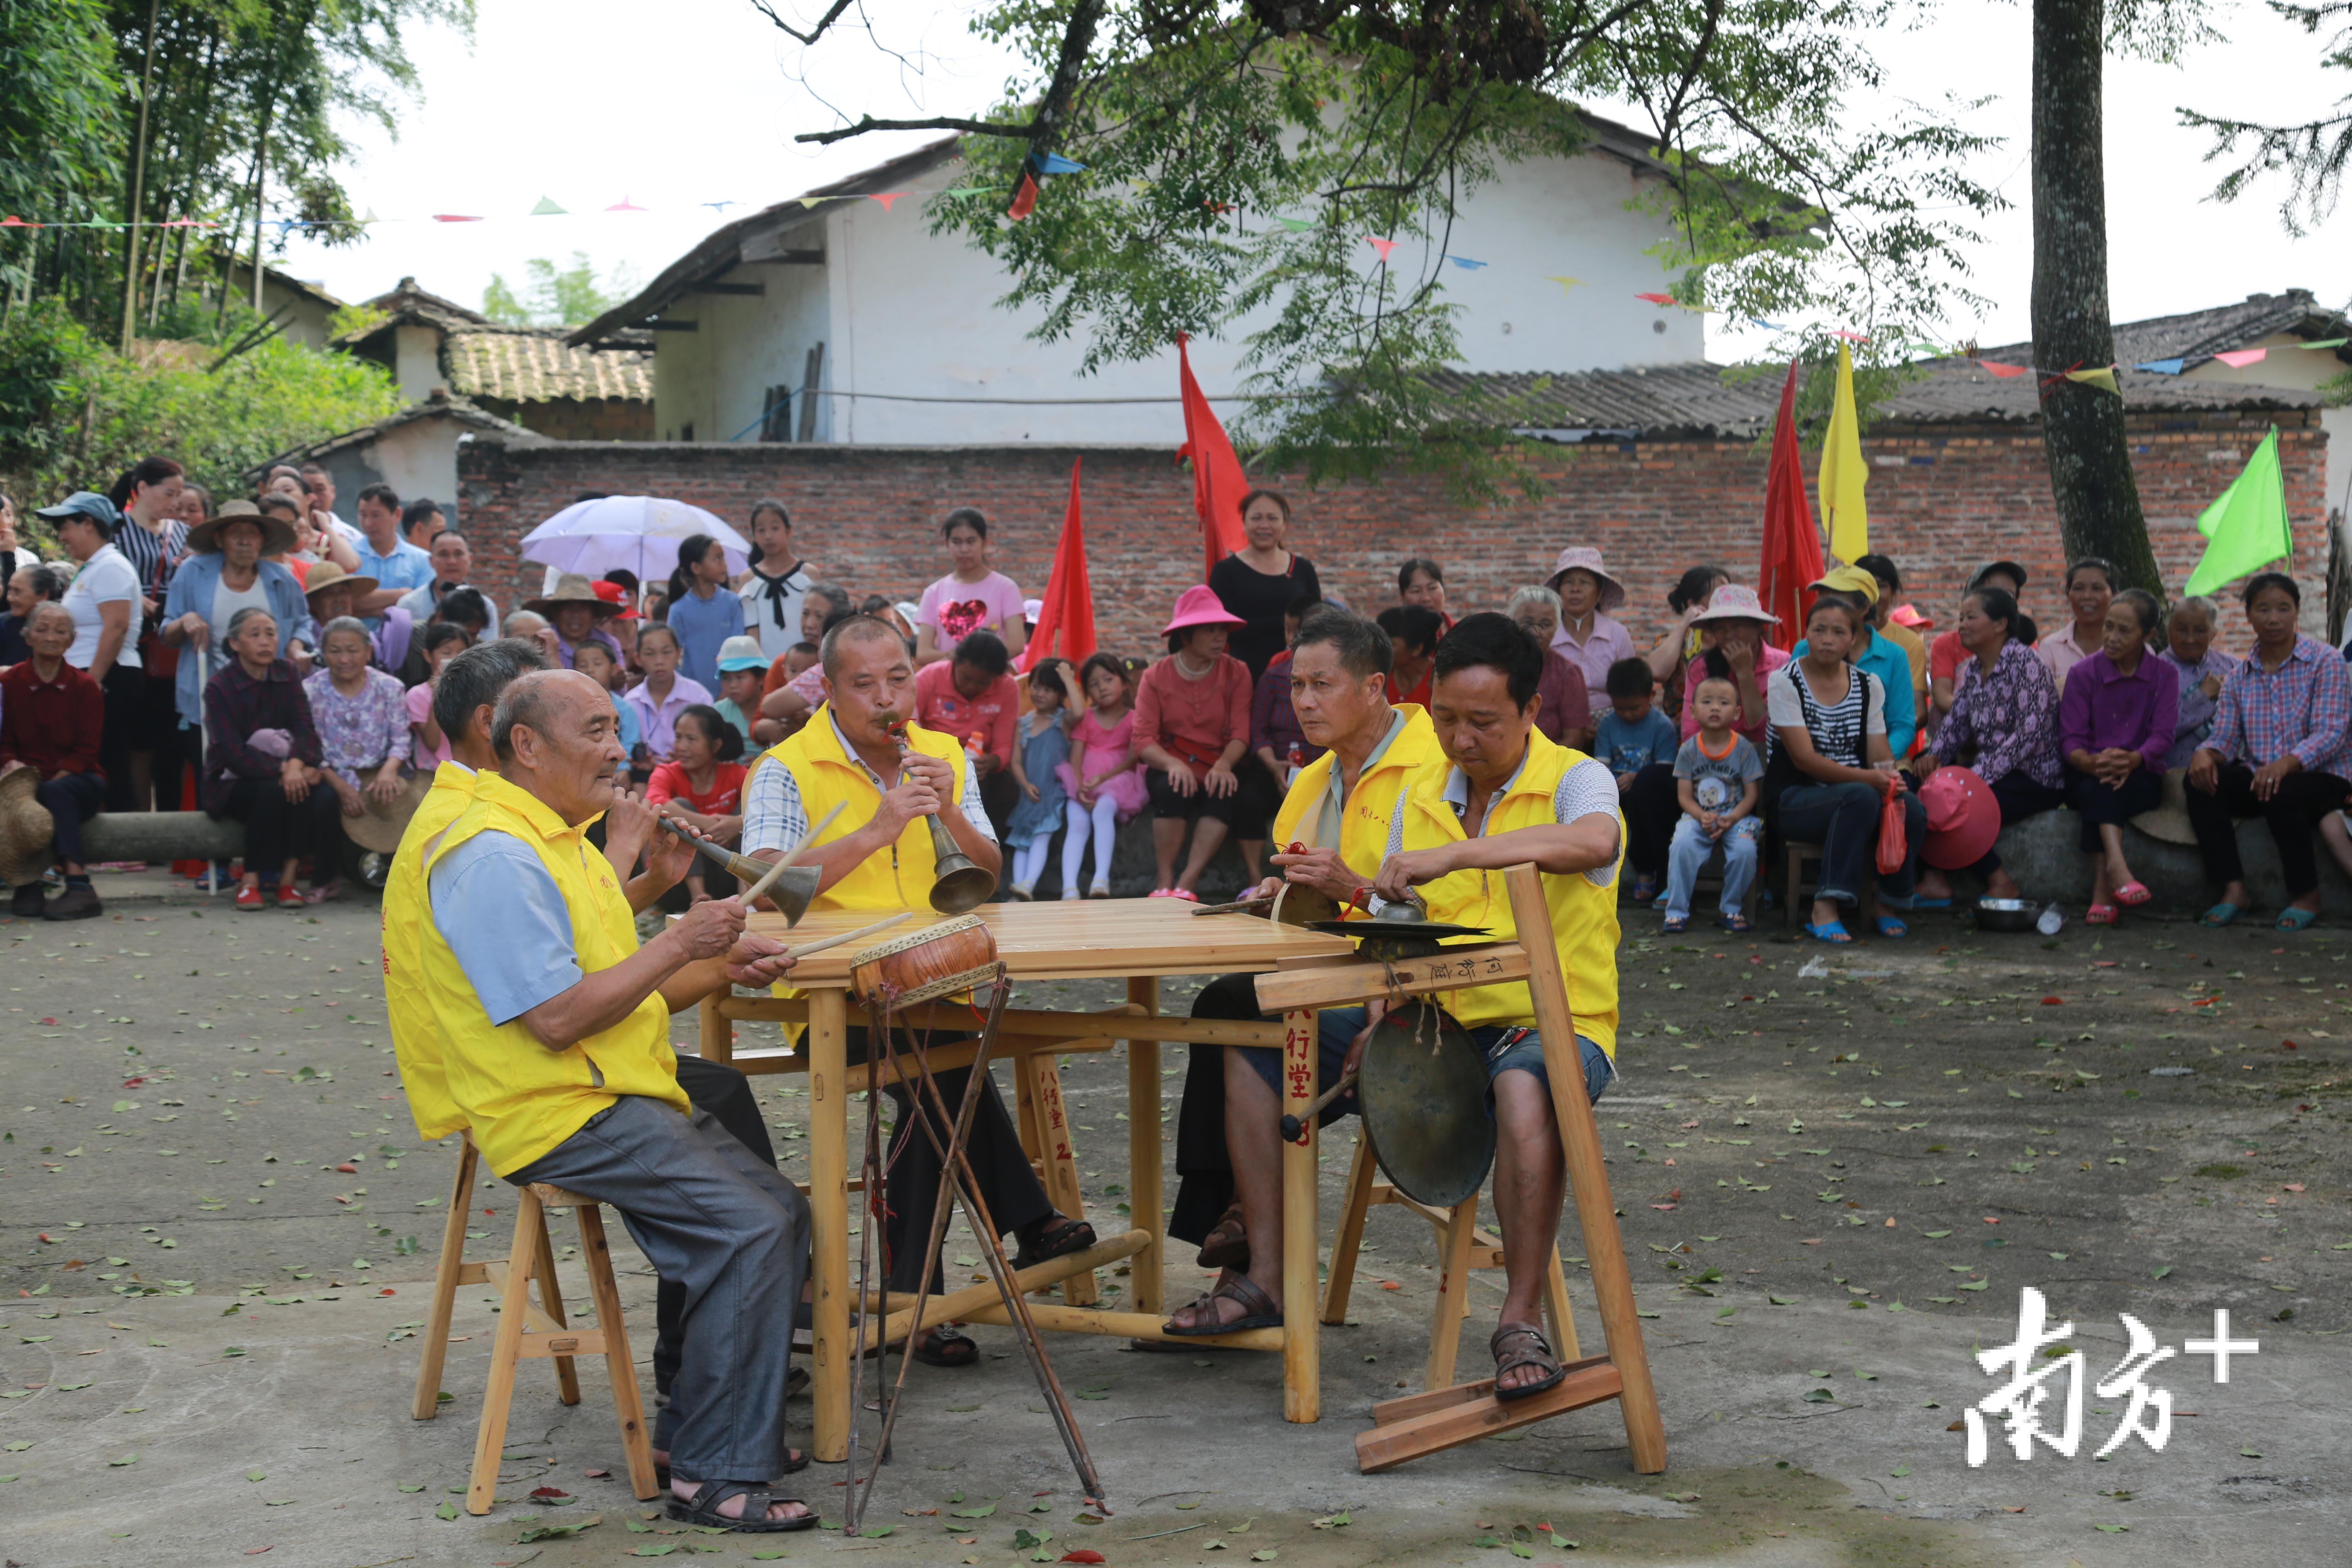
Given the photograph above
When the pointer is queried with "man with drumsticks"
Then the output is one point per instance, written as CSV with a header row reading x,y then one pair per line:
x,y
877,855
554,1029
1338,809
464,698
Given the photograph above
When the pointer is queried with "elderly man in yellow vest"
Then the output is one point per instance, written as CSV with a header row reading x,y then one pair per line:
x,y
465,696
1330,834
554,1025
877,855
1504,795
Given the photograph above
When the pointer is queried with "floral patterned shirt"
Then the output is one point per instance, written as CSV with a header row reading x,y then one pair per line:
x,y
2009,718
359,733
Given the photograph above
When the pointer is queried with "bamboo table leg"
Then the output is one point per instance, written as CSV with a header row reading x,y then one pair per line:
x,y
1143,1151
829,1217
1302,1389
1588,1178
718,1029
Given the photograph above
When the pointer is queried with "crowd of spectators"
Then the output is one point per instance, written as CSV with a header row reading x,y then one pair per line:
x,y
261,659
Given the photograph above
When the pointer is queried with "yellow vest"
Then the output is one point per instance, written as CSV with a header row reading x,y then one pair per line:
x,y
1364,822
520,1097
1583,917
827,776
415,1044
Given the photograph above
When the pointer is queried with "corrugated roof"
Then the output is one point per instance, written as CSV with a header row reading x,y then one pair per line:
x,y
534,364
440,405
1701,399
2196,336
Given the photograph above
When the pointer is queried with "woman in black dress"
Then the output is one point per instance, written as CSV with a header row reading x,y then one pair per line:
x,y
1258,582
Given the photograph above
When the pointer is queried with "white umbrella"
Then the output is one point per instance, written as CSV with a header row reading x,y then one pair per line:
x,y
639,532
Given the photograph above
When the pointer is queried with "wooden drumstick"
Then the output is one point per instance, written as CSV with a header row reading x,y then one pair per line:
x,y
820,945
1293,1126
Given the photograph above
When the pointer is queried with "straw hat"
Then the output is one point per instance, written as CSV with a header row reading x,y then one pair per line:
x,y
326,574
276,533
1584,558
1963,818
1735,601
572,588
27,832
1200,606
2169,821
380,828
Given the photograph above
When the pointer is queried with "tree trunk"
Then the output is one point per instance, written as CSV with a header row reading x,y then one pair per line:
x,y
2083,437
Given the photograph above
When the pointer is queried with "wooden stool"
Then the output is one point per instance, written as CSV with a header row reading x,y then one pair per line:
x,y
531,1329
1798,905
1462,1247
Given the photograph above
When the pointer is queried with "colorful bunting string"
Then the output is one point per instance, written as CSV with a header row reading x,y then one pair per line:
x,y
1381,246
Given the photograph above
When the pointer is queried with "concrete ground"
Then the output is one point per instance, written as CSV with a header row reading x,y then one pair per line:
x,y
1836,1171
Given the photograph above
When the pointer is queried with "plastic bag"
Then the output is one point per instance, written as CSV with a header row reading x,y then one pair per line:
x,y
1893,832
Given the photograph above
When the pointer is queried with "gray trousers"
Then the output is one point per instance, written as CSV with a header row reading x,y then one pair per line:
x,y
734,1235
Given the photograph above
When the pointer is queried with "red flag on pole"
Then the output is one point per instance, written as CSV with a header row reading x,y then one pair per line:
x,y
1217,482
1067,612
1792,542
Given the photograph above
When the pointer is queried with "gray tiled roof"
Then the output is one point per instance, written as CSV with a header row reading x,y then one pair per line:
x,y
1702,399
2197,336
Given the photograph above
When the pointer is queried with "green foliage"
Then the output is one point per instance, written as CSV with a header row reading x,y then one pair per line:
x,y
59,147
73,413
1232,172
550,298
2314,152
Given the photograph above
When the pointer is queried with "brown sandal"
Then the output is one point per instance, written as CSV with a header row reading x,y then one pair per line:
x,y
1228,1245
1537,1353
1258,1310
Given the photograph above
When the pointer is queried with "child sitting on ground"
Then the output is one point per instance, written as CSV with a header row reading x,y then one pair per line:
x,y
1633,737
1717,776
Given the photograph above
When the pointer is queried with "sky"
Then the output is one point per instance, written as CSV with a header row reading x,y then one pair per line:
x,y
590,104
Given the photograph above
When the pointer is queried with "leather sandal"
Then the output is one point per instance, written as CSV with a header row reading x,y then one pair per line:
x,y
942,1346
702,1509
1258,1310
1057,1238
1228,1245
1526,1347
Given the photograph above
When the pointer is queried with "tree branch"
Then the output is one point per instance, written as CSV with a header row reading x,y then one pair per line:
x,y
814,33
945,122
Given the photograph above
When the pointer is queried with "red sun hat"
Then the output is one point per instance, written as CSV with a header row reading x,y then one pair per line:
x,y
1963,818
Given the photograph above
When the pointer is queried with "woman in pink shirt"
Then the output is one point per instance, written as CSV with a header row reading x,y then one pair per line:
x,y
1587,637
1192,729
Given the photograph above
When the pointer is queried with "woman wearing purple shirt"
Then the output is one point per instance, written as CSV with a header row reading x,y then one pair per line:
x,y
2115,723
2004,724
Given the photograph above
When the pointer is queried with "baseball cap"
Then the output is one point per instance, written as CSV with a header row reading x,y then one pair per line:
x,y
86,504
1849,580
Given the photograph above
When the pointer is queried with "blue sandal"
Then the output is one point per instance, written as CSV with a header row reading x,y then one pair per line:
x,y
1891,928
1734,922
2292,919
1835,933
1918,904
1675,925
2218,916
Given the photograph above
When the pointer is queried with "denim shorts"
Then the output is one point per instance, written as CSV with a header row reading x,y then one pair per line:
x,y
1507,1047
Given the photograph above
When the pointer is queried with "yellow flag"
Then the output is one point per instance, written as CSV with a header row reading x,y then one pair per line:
x,y
1843,472
2104,376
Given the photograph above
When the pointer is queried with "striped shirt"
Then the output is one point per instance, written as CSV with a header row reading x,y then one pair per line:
x,y
1840,729
2304,706
774,817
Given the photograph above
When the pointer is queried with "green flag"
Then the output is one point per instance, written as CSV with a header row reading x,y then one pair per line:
x,y
2247,527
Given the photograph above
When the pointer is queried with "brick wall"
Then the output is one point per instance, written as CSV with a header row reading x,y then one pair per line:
x,y
1941,500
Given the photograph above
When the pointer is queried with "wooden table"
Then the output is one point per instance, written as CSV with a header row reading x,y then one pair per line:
x,y
1133,939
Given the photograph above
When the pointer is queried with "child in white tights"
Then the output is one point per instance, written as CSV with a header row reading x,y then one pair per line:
x,y
1102,777
1041,748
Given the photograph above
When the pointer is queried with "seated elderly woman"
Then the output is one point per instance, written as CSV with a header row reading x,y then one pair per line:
x,y
262,763
29,587
2003,724
1565,712
2279,750
1829,773
2114,728
362,718
2202,670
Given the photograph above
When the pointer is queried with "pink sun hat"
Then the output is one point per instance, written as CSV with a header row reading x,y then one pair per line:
x,y
1200,606
1963,818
